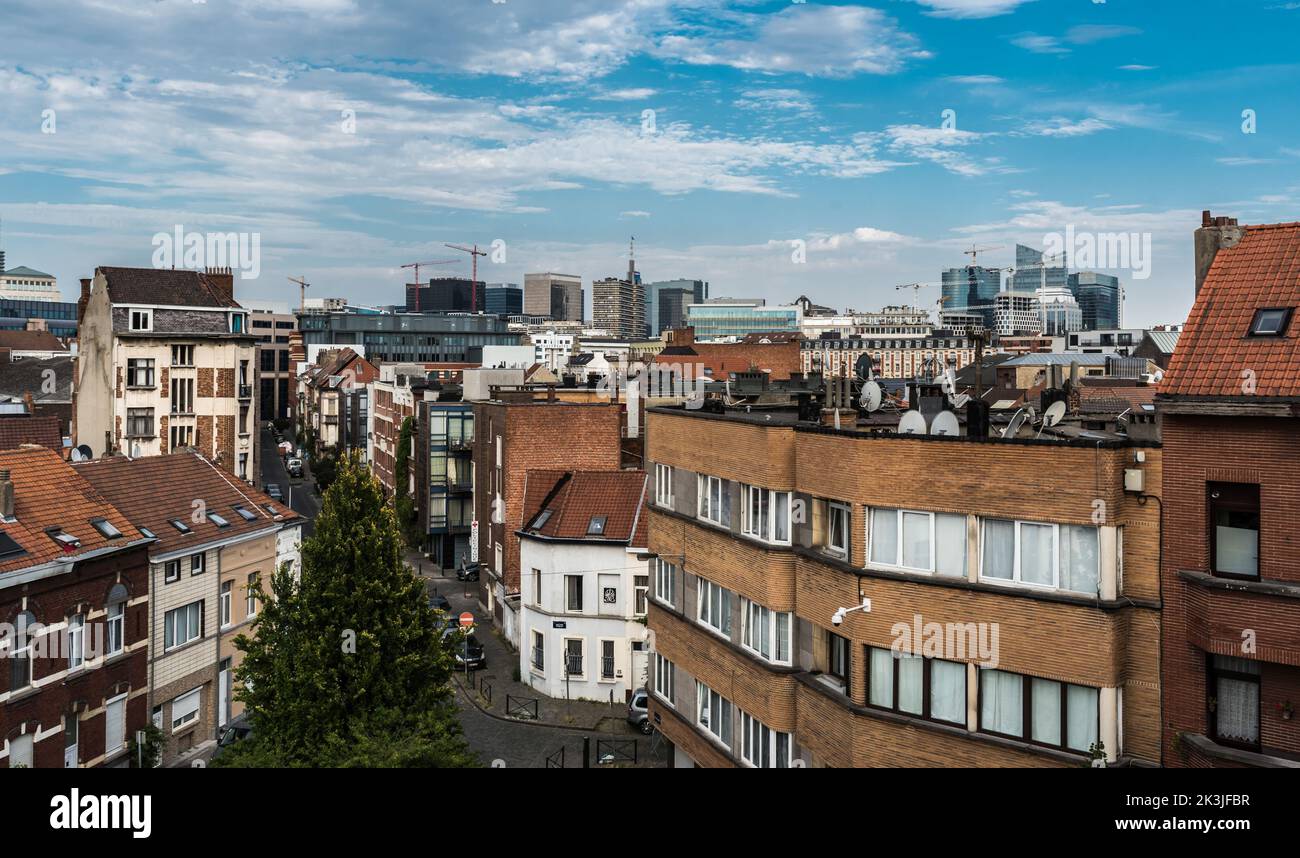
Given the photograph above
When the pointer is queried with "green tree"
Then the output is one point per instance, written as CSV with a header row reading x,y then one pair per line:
x,y
403,503
348,667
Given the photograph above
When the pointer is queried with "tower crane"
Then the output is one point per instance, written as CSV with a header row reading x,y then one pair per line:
x,y
474,254
302,292
416,266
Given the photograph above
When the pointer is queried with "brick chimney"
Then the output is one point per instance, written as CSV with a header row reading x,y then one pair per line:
x,y
222,281
6,494
84,299
681,336
1215,234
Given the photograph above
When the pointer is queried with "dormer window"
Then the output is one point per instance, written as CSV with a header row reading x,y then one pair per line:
x,y
1270,322
141,320
237,323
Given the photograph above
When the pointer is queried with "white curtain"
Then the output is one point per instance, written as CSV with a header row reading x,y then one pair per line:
x,y
1046,711
881,688
948,691
1001,702
950,545
1081,713
1036,554
911,684
884,536
1236,550
1079,568
916,540
781,532
999,549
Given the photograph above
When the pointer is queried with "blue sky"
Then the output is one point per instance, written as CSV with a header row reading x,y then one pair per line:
x,y
526,122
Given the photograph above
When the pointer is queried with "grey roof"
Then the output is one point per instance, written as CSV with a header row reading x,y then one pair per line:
x,y
24,271
1165,341
1057,359
166,286
28,376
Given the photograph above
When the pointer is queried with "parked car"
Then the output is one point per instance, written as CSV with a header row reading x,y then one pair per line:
x,y
439,603
295,467
465,649
467,571
273,491
638,711
237,729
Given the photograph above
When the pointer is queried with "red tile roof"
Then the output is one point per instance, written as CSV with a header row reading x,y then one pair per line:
x,y
576,497
31,341
48,492
16,431
154,490
1215,356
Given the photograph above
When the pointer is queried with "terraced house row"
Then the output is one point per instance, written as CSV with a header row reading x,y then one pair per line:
x,y
1013,614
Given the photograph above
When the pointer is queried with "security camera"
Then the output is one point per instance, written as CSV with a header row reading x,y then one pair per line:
x,y
838,617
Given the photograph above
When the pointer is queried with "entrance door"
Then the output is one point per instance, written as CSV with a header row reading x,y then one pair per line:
x,y
223,693
70,725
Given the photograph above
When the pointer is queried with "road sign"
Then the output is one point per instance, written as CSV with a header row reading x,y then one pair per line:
x,y
473,541
466,620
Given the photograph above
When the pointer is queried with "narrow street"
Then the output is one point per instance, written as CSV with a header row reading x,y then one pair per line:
x,y
300,494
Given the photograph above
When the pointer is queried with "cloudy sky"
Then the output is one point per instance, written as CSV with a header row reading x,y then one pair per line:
x,y
353,136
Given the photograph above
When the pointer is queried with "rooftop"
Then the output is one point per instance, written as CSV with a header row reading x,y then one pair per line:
x,y
164,286
24,271
31,341
44,431
595,506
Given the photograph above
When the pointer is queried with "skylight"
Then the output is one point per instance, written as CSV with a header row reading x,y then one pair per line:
x,y
8,547
105,528
65,540
1270,322
543,517
180,525
147,532
244,513
597,526
218,520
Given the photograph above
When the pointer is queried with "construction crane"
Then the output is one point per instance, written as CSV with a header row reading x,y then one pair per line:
x,y
416,266
974,252
916,290
474,254
302,292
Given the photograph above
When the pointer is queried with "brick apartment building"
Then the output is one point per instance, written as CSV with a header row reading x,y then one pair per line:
x,y
777,354
514,434
74,591
1018,579
1231,658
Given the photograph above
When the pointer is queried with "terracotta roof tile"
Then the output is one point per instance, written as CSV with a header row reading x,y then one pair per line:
x,y
16,431
31,341
1215,355
575,498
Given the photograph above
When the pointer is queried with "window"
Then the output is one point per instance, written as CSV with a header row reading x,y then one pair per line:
x,y
606,659
1234,533
114,725
573,592
141,320
665,679
250,606
765,514
837,529
245,513
665,582
227,591
926,687
762,747
185,709
106,528
180,525
182,396
116,627
573,652
65,540
1233,690
710,499
596,527
139,422
537,587
182,625
714,606
218,520
664,485
197,563
713,713
1042,555
539,651
1270,322
640,588
182,355
171,571
21,751
765,632
838,660
919,541
1042,711
76,641
20,673
139,372
181,436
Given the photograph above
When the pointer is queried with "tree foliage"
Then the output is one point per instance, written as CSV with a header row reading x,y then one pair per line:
x,y
403,503
348,667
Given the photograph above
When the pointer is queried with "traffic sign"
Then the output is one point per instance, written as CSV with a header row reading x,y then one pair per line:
x,y
466,620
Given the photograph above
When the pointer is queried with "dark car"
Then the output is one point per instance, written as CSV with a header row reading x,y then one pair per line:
x,y
273,491
467,571
439,602
638,711
465,649
237,729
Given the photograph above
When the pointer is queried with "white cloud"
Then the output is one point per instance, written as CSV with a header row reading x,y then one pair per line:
x,y
1244,161
941,146
976,79
1136,67
1059,126
777,99
634,213
631,94
971,8
1039,44
1086,34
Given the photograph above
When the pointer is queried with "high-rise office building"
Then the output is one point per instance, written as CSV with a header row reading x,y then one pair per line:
x,y
558,297
972,288
1033,271
666,302
503,299
1058,312
618,305
1016,314
445,295
1099,298
738,317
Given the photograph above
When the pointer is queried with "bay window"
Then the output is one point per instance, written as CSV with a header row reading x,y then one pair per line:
x,y
664,485
919,541
765,514
713,713
665,679
1042,711
1233,691
761,746
665,582
765,632
1234,529
714,606
1064,557
838,517
928,688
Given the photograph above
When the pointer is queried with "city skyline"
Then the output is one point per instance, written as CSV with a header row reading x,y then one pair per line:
x,y
719,134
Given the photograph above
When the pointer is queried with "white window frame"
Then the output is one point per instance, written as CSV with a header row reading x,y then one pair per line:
x,y
705,509
703,606
640,595
198,562
250,599
564,650
115,627
197,694
665,667
539,647
715,719
76,641
537,587
664,485
770,619
147,315
226,604
613,674
197,630
665,581
765,531
568,607
168,577
1016,580
840,551
933,517
752,728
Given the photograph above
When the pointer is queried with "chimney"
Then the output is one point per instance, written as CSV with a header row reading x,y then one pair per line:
x,y
84,299
1215,234
222,281
6,494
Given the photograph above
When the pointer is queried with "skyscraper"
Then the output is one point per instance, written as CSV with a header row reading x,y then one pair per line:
x,y
556,296
972,288
1033,271
666,302
503,299
1099,297
618,305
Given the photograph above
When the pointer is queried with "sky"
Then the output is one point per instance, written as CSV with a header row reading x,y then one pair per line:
x,y
837,150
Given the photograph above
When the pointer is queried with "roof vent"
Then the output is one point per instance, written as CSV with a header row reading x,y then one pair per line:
x,y
6,495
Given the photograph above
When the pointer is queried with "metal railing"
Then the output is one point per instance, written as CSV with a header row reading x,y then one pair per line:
x,y
616,751
556,760
524,708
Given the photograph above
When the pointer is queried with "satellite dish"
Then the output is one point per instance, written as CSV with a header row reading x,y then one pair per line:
x,y
945,423
1053,414
695,403
912,424
1013,428
862,366
871,396
86,452
76,455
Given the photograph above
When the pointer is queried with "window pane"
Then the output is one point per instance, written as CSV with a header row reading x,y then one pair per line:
x,y
1036,554
999,549
916,540
950,545
911,684
1079,569
1046,711
948,691
1081,716
1001,702
884,536
781,531
1236,542
881,687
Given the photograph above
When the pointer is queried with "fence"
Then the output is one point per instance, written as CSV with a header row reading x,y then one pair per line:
x,y
556,760
485,689
521,707
616,751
